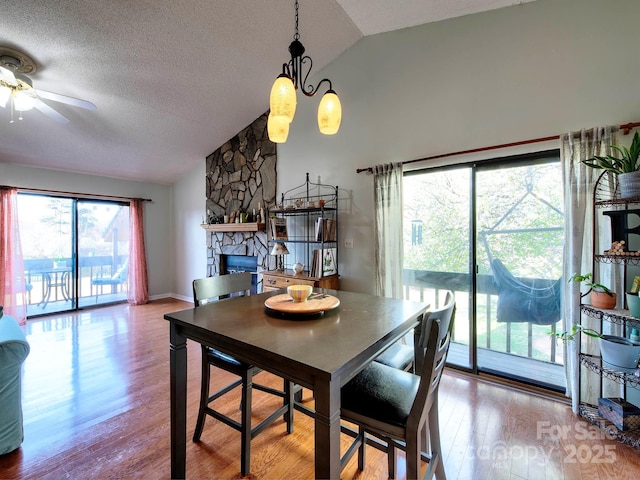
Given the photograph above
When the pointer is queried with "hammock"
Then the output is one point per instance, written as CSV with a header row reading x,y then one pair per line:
x,y
522,299
526,300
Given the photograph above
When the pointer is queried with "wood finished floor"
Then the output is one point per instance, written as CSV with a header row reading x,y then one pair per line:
x,y
96,406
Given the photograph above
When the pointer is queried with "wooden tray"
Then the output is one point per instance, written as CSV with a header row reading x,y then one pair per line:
x,y
317,303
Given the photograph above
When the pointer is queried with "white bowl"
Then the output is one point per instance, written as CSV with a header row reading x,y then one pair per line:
x,y
299,293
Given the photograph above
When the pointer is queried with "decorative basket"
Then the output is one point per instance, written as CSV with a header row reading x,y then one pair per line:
x,y
624,415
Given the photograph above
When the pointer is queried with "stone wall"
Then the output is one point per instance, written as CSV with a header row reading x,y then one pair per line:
x,y
241,175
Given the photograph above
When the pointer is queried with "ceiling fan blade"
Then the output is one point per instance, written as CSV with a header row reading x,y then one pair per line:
x,y
7,75
50,112
56,97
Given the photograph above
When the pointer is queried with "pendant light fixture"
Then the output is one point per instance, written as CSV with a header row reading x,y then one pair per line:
x,y
282,101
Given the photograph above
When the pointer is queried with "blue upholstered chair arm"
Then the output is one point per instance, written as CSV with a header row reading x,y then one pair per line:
x,y
13,351
13,344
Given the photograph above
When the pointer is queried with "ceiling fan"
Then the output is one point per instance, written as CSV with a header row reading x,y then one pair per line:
x,y
17,92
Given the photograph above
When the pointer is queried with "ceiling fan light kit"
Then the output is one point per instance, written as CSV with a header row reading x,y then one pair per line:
x,y
282,101
17,92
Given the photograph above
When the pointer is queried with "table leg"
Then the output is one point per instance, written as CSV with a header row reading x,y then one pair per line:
x,y
66,283
46,289
327,430
178,373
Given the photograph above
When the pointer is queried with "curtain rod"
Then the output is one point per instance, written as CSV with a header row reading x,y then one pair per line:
x,y
75,194
626,128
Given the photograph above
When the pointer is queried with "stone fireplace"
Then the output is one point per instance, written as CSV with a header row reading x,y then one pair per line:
x,y
240,175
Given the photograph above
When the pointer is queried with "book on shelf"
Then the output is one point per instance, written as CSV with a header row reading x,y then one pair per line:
x,y
279,229
325,230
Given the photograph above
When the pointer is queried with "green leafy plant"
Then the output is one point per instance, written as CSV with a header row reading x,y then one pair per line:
x,y
570,336
625,162
578,277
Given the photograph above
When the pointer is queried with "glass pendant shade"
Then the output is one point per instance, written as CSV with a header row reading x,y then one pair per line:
x,y
5,94
283,98
23,101
329,113
277,128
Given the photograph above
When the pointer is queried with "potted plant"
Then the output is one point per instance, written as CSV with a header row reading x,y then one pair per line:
x,y
625,165
617,352
601,296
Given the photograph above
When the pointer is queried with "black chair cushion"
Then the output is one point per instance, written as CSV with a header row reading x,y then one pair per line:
x,y
217,358
397,356
381,392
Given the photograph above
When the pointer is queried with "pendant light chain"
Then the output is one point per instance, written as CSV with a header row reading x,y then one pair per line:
x,y
296,36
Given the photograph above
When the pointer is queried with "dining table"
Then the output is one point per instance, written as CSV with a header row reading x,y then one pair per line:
x,y
320,351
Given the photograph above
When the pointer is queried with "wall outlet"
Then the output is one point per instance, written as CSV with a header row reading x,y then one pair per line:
x,y
348,243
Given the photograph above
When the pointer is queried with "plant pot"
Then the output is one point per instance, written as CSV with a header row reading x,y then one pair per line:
x,y
603,300
619,352
633,303
629,184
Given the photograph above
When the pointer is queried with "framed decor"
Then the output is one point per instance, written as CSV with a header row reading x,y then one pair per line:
x,y
279,229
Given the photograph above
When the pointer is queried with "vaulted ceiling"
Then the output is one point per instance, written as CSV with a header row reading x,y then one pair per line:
x,y
172,79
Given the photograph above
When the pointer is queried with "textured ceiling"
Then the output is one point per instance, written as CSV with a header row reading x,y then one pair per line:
x,y
172,79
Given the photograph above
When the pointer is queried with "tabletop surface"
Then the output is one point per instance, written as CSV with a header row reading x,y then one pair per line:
x,y
326,343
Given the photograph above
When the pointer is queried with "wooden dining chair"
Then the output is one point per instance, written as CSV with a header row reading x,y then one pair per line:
x,y
401,355
401,408
217,288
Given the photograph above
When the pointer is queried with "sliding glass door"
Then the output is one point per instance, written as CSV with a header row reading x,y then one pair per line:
x,y
437,248
75,252
46,234
520,237
103,252
492,233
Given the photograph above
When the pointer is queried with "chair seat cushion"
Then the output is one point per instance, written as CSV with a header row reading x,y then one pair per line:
x,y
397,356
381,392
106,281
216,357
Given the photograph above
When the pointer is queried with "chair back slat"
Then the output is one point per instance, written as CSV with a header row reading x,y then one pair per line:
x,y
209,289
444,316
432,361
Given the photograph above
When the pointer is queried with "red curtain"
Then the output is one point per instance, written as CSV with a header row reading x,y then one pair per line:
x,y
13,289
138,293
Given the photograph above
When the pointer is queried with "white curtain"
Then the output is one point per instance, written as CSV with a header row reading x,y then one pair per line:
x,y
388,229
579,181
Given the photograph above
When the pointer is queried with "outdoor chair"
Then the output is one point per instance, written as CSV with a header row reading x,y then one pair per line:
x,y
118,278
215,289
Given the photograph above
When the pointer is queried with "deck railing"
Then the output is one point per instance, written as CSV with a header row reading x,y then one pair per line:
x,y
523,339
53,276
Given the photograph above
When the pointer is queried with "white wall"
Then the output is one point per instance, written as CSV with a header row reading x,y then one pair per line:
x,y
533,70
190,243
157,213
